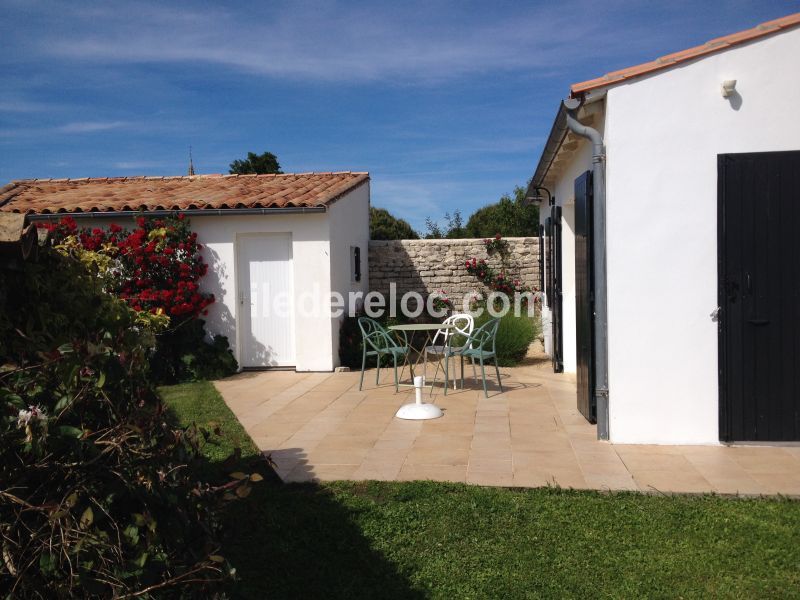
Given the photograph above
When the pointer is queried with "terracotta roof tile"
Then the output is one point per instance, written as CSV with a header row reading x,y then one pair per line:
x,y
111,194
669,60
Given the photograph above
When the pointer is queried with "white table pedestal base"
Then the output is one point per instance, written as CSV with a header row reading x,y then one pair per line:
x,y
419,412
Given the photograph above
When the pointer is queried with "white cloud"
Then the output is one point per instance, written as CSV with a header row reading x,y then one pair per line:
x,y
333,42
90,126
17,105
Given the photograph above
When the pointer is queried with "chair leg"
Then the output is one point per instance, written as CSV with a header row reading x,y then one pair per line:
x,y
497,370
462,371
446,379
363,366
483,376
377,369
396,385
474,372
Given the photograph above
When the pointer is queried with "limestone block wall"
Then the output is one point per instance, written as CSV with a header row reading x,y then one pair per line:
x,y
428,265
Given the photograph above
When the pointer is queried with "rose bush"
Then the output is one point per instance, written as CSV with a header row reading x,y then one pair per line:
x,y
156,267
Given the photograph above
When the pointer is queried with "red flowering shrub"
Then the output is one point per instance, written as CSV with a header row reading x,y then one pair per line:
x,y
497,245
158,264
157,267
495,281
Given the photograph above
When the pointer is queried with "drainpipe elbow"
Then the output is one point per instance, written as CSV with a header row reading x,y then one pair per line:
x,y
598,148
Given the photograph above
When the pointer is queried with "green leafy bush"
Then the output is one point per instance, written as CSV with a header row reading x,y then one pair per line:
x,y
514,336
184,354
99,492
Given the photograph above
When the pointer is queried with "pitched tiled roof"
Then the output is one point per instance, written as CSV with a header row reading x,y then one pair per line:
x,y
669,60
45,196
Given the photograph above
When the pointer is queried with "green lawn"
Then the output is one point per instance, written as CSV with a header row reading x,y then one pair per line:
x,y
423,539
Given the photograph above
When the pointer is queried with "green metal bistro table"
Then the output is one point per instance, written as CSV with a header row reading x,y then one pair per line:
x,y
419,410
430,330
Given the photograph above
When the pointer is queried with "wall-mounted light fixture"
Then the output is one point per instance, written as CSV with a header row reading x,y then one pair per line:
x,y
728,88
538,196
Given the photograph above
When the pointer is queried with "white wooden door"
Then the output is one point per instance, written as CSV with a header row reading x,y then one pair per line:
x,y
266,304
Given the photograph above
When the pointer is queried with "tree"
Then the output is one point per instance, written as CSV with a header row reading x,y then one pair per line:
x,y
256,163
510,217
453,230
385,226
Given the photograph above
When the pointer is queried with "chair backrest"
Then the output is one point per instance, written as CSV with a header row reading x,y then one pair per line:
x,y
484,335
374,335
464,324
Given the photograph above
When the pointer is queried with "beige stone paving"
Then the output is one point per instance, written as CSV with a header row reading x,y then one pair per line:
x,y
319,426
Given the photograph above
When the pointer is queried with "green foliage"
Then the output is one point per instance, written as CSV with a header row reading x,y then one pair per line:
x,y
422,539
508,217
385,226
514,336
98,491
183,353
454,229
256,164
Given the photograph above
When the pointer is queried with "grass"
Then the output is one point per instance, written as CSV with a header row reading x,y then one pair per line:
x,y
424,539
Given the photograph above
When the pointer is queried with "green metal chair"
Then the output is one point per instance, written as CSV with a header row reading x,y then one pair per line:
x,y
374,336
481,345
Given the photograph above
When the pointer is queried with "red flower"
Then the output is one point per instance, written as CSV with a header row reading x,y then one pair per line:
x,y
497,237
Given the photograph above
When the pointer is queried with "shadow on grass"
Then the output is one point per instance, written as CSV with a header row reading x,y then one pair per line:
x,y
293,540
296,541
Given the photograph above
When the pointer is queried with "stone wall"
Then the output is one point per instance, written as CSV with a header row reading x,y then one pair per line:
x,y
428,265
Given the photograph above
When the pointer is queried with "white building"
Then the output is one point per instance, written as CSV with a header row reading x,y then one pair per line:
x,y
673,285
277,247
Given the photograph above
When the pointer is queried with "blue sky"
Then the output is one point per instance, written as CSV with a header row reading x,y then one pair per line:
x,y
446,104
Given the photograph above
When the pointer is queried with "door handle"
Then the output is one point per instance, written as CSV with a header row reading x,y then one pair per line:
x,y
758,321
241,297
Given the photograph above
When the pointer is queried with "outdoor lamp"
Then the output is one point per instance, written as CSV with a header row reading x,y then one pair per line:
x,y
538,197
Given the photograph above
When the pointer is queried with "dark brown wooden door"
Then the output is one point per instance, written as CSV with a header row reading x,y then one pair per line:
x,y
759,296
584,297
553,290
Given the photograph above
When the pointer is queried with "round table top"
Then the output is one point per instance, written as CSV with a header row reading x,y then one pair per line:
x,y
421,326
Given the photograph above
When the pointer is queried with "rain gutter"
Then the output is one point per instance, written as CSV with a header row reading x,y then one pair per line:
x,y
570,107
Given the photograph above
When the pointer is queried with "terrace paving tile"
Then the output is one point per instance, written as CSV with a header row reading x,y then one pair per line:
x,y
320,427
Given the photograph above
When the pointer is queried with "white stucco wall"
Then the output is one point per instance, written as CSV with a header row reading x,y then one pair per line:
x,y
349,226
564,193
311,270
663,135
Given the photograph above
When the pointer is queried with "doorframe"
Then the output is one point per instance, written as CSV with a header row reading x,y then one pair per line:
x,y
723,400
238,237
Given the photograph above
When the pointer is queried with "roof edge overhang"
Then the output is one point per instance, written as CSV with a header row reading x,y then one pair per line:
x,y
558,133
193,212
